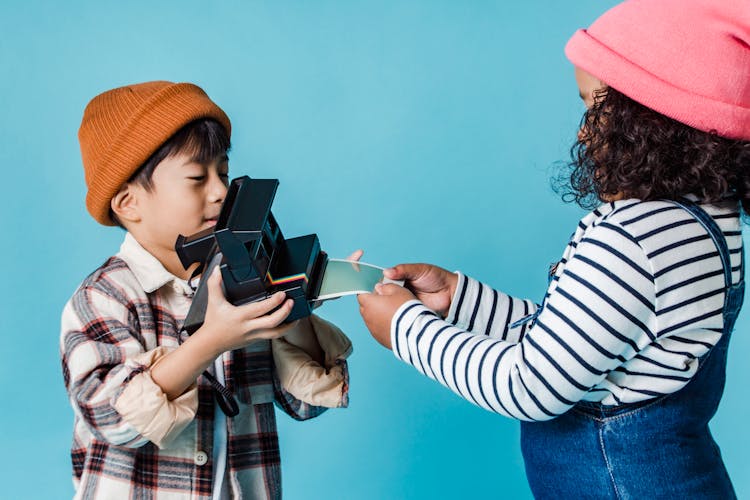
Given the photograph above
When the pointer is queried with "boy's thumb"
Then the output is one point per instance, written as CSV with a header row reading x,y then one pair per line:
x,y
214,285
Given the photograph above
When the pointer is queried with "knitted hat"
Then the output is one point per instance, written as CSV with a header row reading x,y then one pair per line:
x,y
123,127
686,59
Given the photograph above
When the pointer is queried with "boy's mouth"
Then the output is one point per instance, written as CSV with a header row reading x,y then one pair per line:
x,y
211,222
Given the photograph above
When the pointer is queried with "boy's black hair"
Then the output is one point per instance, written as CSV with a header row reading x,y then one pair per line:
x,y
625,148
204,139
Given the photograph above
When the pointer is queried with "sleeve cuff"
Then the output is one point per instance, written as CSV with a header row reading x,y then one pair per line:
x,y
306,379
144,405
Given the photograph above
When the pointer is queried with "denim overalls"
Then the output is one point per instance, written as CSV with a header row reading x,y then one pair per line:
x,y
660,448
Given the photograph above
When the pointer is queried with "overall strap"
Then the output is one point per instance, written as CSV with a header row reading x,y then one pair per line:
x,y
709,224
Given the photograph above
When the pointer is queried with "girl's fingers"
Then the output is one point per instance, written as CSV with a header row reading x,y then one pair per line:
x,y
408,272
391,273
387,288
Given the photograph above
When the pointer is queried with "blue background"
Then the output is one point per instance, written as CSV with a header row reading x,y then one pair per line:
x,y
419,131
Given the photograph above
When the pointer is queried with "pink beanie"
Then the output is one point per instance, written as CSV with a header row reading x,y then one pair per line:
x,y
686,59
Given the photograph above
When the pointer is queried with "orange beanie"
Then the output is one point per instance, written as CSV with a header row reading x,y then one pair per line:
x,y
123,127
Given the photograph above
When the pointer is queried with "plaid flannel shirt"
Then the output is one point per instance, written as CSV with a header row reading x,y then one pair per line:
x,y
127,310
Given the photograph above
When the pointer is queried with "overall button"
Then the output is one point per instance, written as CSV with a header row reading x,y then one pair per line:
x,y
200,458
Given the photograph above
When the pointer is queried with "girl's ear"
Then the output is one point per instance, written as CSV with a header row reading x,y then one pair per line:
x,y
124,204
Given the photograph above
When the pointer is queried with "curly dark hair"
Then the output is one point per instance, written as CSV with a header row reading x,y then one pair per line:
x,y
625,148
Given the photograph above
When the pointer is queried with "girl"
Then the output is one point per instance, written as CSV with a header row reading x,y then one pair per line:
x,y
619,370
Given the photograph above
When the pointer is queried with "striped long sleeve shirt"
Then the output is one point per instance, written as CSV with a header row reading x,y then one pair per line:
x,y
634,302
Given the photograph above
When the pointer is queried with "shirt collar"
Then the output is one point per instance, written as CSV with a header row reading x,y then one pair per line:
x,y
149,272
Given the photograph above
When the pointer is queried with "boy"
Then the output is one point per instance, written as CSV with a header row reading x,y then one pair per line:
x,y
146,422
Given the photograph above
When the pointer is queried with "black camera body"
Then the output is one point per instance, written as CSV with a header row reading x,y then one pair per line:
x,y
252,255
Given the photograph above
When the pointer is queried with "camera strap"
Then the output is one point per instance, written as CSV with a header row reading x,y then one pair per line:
x,y
198,270
224,397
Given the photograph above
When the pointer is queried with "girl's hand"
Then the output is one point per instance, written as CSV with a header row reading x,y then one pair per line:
x,y
378,308
227,327
432,285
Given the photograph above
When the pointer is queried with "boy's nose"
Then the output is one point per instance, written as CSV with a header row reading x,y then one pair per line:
x,y
217,189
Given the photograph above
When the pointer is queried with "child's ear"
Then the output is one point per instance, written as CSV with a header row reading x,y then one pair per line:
x,y
125,204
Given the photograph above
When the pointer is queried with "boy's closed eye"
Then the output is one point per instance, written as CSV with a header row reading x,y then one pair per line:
x,y
199,171
200,179
195,171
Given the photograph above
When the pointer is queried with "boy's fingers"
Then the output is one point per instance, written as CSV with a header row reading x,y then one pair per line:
x,y
354,258
356,255
270,333
274,319
262,307
274,332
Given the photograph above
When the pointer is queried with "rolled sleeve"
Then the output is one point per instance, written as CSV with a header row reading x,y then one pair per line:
x,y
105,366
307,380
146,407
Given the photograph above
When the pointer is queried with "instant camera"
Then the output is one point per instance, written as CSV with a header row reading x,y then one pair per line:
x,y
252,255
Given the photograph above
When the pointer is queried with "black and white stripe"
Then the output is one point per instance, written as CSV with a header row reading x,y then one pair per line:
x,y
636,299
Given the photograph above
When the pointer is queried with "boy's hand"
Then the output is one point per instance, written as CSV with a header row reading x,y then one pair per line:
x,y
432,285
232,327
378,308
356,255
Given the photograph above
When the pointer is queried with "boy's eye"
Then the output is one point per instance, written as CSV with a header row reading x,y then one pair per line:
x,y
197,178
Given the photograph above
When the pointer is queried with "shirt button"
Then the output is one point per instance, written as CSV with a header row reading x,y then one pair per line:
x,y
200,458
